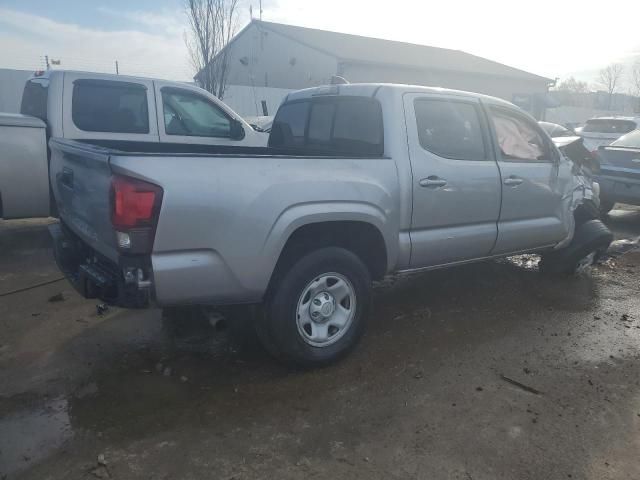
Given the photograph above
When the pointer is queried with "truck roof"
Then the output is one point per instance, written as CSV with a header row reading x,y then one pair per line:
x,y
52,73
369,89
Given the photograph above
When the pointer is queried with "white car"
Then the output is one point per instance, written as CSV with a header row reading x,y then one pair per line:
x,y
602,131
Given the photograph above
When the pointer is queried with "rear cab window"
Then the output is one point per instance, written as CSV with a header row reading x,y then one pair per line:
x,y
331,125
110,106
609,125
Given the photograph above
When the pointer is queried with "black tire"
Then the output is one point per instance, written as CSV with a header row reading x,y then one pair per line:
x,y
278,328
585,212
591,236
606,206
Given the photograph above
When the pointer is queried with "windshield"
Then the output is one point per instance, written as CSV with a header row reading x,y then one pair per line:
x,y
609,125
630,140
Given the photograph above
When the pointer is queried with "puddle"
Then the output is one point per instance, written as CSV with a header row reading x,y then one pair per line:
x,y
29,436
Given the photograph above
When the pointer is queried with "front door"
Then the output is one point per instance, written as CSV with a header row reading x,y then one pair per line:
x,y
532,213
456,182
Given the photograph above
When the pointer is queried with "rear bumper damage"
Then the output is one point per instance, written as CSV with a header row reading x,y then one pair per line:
x,y
124,283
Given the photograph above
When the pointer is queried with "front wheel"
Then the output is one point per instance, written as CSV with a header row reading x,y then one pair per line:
x,y
318,308
590,241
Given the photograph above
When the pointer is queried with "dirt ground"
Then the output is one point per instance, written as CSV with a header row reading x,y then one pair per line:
x,y
426,395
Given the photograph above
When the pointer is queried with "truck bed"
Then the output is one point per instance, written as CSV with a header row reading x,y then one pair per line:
x,y
226,213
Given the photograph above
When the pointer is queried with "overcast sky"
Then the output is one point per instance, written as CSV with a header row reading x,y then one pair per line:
x,y
548,37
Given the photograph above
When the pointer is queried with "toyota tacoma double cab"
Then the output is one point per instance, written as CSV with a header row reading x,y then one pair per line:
x,y
357,181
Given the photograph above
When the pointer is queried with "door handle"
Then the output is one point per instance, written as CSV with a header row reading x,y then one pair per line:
x,y
513,181
66,177
433,182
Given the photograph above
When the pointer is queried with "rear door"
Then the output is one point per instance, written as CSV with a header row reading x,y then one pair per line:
x,y
456,182
531,215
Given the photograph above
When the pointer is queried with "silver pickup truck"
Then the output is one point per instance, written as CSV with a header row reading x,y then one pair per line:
x,y
95,106
358,181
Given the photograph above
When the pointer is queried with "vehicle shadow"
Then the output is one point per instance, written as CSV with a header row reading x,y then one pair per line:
x,y
413,319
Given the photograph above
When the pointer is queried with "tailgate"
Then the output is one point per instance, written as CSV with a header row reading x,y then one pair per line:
x,y
80,177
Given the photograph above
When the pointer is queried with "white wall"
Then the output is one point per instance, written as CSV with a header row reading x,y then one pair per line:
x,y
261,57
11,86
246,101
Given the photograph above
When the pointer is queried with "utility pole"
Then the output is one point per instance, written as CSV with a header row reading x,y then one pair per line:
x,y
260,9
46,61
117,71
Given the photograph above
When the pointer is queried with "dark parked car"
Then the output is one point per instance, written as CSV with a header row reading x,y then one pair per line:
x,y
619,176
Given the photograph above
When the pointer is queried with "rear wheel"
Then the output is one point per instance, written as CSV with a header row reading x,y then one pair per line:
x,y
590,241
318,308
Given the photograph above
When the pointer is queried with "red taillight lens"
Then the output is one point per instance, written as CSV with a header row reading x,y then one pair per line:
x,y
135,203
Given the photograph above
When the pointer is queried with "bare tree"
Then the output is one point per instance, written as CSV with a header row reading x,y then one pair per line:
x,y
634,85
571,92
212,25
572,85
609,78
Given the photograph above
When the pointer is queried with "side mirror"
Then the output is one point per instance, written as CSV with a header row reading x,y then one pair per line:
x,y
236,130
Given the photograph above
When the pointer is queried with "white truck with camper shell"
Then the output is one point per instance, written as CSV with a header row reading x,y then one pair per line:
x,y
86,106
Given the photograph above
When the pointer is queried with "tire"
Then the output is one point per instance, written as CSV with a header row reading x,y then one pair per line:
x,y
318,308
606,206
585,212
591,239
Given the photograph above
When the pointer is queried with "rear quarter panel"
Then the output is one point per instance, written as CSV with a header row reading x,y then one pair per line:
x,y
225,220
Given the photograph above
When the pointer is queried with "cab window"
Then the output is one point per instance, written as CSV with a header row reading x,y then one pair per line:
x,y
519,139
189,114
450,129
110,106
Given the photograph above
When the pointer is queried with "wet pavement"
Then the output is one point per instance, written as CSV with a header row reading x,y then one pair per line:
x,y
487,371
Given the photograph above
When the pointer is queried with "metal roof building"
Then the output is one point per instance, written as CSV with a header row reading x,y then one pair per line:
x,y
266,54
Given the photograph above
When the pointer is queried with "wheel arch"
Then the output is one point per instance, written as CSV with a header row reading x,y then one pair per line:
x,y
365,231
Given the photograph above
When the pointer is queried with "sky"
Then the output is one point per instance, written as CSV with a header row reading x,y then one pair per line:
x,y
547,37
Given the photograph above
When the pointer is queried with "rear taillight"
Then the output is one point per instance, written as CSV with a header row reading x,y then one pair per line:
x,y
135,207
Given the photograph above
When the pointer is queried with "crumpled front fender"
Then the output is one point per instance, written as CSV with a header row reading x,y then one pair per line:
x,y
581,188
